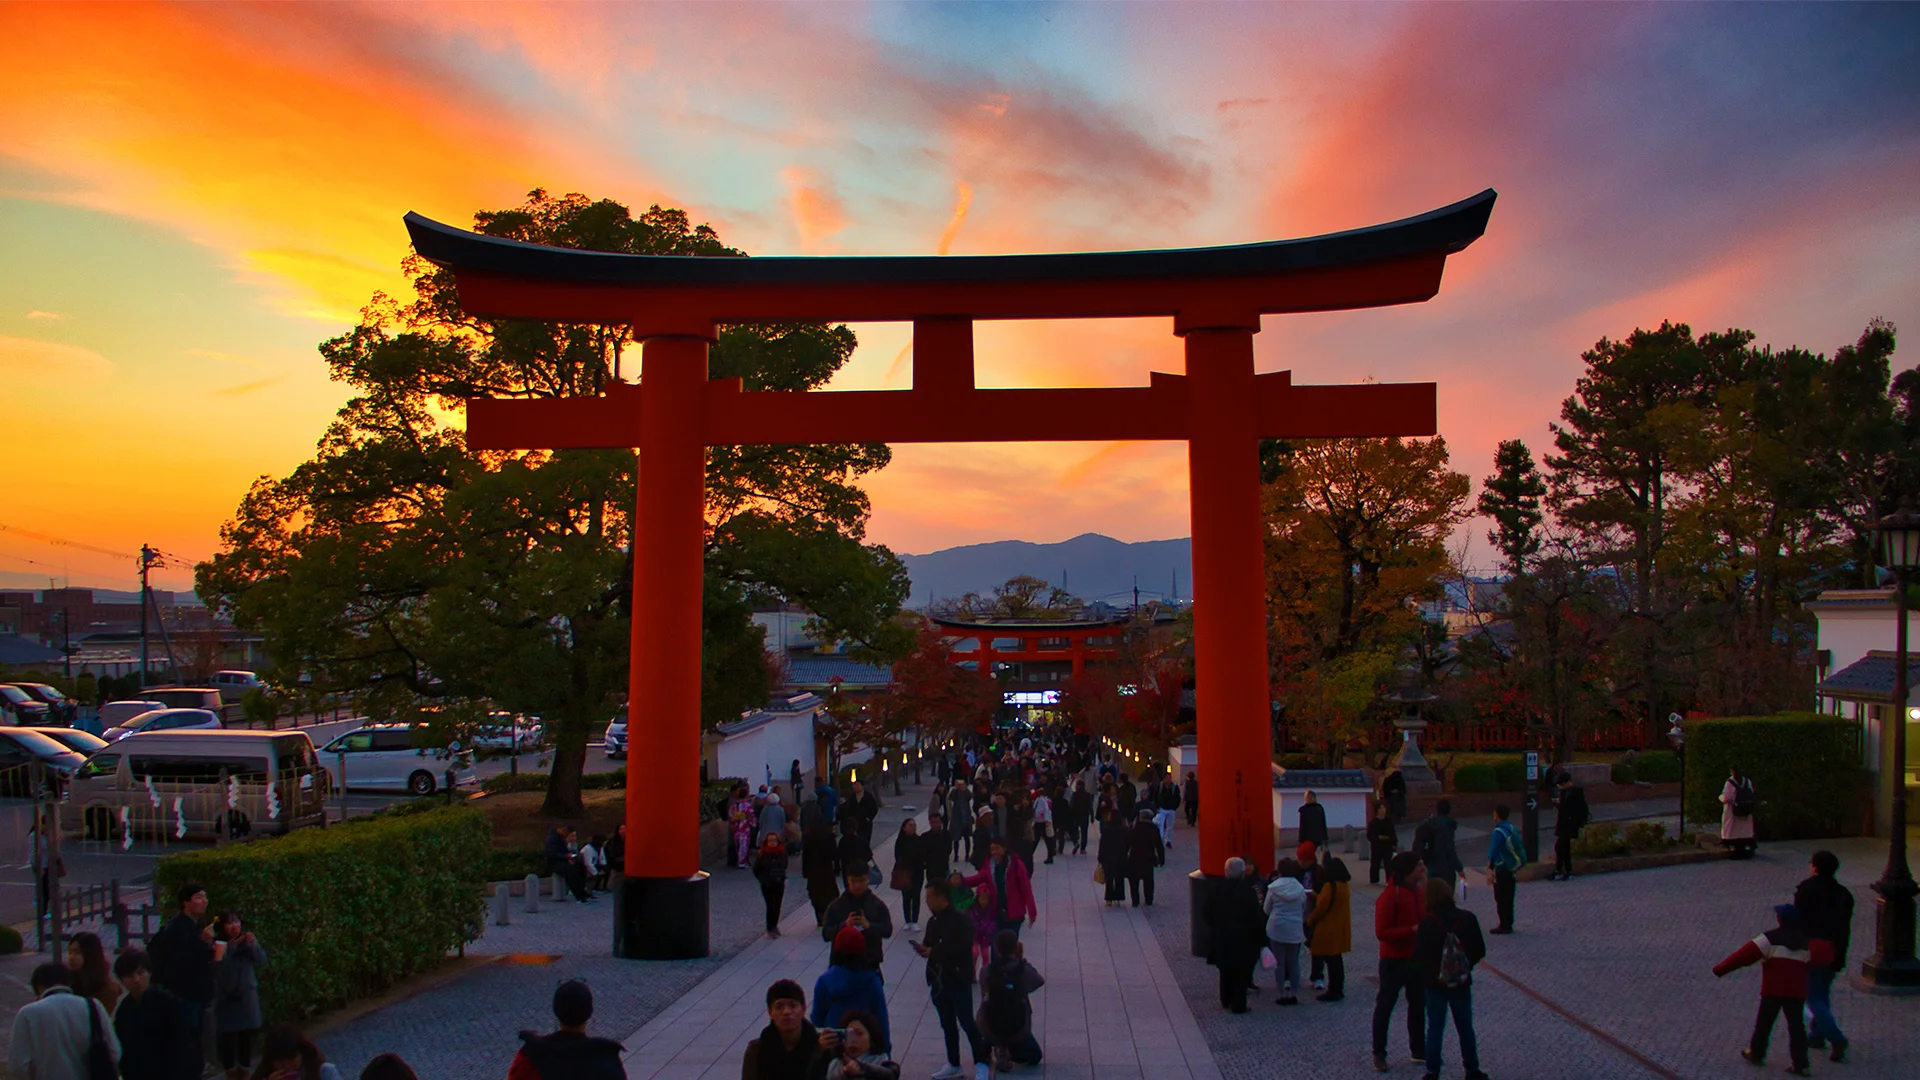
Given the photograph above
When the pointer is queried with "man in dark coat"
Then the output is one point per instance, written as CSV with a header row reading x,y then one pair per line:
x,y
151,1024
860,809
1081,806
1313,822
859,908
856,855
1571,817
569,1053
789,1047
948,950
1826,911
184,953
1236,931
1144,853
1393,792
1434,840
1191,798
936,849
1449,988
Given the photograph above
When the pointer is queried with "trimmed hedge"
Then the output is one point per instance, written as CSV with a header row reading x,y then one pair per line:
x,y
1476,778
1805,768
1657,767
1623,773
346,911
1511,774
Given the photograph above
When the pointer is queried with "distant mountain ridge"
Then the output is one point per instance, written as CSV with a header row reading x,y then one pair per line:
x,y
1090,566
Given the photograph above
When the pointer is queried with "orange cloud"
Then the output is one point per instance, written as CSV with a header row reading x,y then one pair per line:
x,y
817,210
960,207
287,139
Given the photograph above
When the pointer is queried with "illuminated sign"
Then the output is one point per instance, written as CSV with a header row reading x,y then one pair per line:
x,y
1030,697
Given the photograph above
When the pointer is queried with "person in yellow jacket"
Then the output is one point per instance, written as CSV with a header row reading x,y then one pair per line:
x,y
1330,926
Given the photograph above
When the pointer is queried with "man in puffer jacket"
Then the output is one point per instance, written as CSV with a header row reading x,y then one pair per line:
x,y
1396,922
1783,954
570,1053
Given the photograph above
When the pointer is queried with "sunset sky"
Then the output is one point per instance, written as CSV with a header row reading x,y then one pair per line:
x,y
192,197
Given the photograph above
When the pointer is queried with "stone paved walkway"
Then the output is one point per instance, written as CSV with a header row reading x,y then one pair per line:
x,y
1111,1009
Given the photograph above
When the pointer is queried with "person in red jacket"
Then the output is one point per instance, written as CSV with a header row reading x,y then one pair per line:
x,y
1784,954
1396,922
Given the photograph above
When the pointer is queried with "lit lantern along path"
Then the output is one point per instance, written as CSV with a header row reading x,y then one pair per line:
x,y
1220,407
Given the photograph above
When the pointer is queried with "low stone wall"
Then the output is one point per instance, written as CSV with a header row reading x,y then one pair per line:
x,y
1679,856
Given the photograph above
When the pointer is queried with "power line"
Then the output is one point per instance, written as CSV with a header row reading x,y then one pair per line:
x,y
57,542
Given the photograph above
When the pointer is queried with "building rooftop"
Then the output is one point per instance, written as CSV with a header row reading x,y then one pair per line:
x,y
1869,678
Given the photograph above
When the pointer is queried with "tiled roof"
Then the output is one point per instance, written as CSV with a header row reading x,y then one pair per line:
x,y
1870,678
1322,779
821,670
18,651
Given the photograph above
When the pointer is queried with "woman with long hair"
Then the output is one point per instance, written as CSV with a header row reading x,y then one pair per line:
x,y
236,994
92,975
286,1054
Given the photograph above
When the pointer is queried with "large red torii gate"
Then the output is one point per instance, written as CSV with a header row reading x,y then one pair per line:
x,y
1220,407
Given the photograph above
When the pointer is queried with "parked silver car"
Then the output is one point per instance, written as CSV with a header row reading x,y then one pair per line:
x,y
164,720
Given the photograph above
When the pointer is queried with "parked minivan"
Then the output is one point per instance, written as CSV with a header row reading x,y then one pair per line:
x,y
234,685
115,713
186,697
145,773
384,757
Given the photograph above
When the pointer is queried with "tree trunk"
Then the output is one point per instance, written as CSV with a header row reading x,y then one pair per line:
x,y
563,784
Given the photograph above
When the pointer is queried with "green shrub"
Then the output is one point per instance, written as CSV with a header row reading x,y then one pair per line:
x,y
1623,772
1805,769
537,781
1299,761
1643,837
10,943
1472,778
514,865
1600,840
348,910
1510,774
1657,767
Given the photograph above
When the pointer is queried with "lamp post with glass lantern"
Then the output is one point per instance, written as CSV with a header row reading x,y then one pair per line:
x,y
1893,967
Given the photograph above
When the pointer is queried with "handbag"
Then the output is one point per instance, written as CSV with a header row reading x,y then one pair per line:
x,y
902,878
1099,874
99,1059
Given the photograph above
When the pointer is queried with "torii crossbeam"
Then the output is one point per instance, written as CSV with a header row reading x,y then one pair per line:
x,y
1220,407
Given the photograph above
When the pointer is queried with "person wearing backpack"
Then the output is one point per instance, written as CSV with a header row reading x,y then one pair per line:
x,y
1006,1017
1447,945
1737,804
1506,854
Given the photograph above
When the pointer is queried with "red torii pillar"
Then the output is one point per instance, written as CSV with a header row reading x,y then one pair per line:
x,y
1220,407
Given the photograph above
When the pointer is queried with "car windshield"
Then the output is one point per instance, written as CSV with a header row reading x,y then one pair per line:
x,y
37,744
15,695
48,692
78,741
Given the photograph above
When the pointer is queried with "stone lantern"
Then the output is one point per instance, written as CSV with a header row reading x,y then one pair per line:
x,y
1410,693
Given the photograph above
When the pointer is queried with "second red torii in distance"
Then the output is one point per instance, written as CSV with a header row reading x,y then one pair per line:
x,y
1220,407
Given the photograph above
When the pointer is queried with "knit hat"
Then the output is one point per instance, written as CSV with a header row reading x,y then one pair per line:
x,y
572,1003
850,941
1305,852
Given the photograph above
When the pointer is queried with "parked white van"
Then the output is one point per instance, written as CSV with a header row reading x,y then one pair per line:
x,y
169,783
384,758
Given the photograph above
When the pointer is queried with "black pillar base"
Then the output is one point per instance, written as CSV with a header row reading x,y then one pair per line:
x,y
1199,890
661,918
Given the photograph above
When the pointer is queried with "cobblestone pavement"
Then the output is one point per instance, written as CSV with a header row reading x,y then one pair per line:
x,y
1110,1009
1608,976
468,1026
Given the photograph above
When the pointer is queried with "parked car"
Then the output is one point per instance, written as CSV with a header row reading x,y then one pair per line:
x,y
384,758
616,737
509,733
19,708
234,685
20,748
186,697
187,765
164,720
74,739
61,709
115,713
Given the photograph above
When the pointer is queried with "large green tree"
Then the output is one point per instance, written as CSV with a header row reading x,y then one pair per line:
x,y
437,581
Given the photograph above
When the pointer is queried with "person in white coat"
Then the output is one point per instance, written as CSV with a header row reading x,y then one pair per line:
x,y
1737,804
53,1034
1286,907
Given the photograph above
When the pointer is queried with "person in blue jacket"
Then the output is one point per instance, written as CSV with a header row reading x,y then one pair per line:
x,y
849,983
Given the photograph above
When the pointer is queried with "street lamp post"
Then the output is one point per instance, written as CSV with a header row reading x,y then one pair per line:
x,y
1678,737
1893,967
